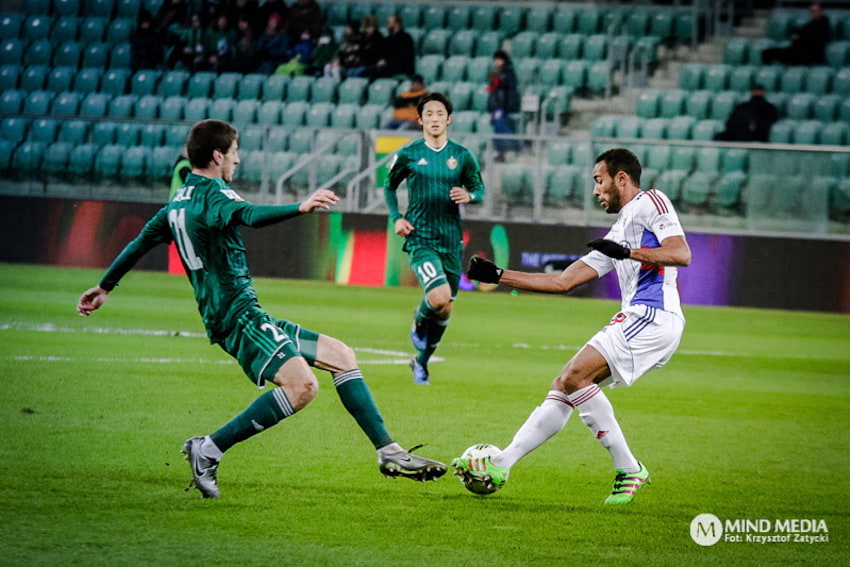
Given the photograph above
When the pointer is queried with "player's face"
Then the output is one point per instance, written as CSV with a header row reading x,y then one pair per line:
x,y
229,162
604,189
435,120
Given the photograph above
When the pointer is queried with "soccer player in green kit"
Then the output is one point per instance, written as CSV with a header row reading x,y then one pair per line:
x,y
441,175
203,219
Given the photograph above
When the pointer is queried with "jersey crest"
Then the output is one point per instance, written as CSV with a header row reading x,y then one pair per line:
x,y
451,163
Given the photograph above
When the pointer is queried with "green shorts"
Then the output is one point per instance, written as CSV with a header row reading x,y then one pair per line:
x,y
262,344
434,268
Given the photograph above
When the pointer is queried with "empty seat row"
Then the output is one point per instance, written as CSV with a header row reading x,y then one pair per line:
x,y
66,28
510,20
746,51
103,8
817,80
68,53
99,133
810,132
677,128
781,23
719,105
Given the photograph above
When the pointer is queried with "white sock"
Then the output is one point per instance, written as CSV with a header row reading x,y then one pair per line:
x,y
389,449
545,421
598,414
210,450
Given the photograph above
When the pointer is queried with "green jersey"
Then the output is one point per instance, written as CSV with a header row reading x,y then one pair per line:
x,y
431,174
203,219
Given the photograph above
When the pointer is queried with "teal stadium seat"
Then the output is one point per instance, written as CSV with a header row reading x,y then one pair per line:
x,y
96,55
173,83
176,134
12,101
152,135
551,72
222,109
120,30
38,53
12,51
299,89
682,159
697,188
101,8
29,157
575,74
107,163
93,29
87,81
44,130
672,103
134,163
343,115
654,128
200,84
172,108
511,20
807,132
782,131
411,15
457,18
599,76
819,80
369,117
735,160
251,86
38,102
522,44
709,160
547,45
769,77
462,42
114,81
196,109
319,115
34,78
478,69
716,77
382,91
270,113
147,107
517,184
454,69
122,106
698,104
488,43
82,164
800,106
727,195
225,85
324,90
128,133
68,54
837,53
66,104
294,114
60,79
336,14
65,29
691,76
526,70
10,25
274,87
735,52
436,42
460,94
723,103
245,112
56,157
144,82
251,138
658,157
741,78
37,28
604,126
670,182
538,19
95,105
464,121
705,130
628,127
434,17
559,152
73,132
595,47
637,23
588,22
570,46
793,79
835,134
10,74
353,89
483,18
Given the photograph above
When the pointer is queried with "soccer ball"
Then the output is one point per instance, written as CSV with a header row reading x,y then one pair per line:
x,y
472,484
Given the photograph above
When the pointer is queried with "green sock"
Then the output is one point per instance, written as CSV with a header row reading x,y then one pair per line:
x,y
357,399
425,315
264,412
434,332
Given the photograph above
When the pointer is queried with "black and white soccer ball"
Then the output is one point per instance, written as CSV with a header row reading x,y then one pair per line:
x,y
475,485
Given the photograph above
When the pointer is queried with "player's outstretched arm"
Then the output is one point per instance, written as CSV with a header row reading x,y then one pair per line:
x,y
575,275
321,199
91,300
674,251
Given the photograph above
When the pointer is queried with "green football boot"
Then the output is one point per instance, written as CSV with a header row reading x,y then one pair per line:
x,y
627,484
480,468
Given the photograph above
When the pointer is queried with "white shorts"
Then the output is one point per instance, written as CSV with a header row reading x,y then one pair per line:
x,y
636,341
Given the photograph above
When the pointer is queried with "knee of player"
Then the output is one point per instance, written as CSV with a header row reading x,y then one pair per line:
x,y
347,357
571,379
443,307
303,391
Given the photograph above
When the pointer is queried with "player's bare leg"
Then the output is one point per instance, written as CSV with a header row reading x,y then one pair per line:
x,y
339,359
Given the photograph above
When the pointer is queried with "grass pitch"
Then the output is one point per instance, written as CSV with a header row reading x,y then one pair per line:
x,y
750,420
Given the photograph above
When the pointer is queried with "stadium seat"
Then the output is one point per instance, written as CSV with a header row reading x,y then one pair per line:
x,y
270,113
172,108
37,28
575,74
66,104
336,13
301,141
128,133
526,70
60,79
176,134
628,127
120,56
716,77
604,126
705,130
56,157
547,45
324,90
278,139
844,110
94,105
152,135
835,134
29,156
522,44
560,185
727,196
87,81
647,103
672,103
107,163
251,137
411,14
488,42
570,46
14,129
723,103
173,83
454,69
682,158
478,69
741,78
144,82
68,54
462,42
353,89
10,75
670,182
80,167
461,95
551,73
800,106
38,102
34,78
559,152
735,52
691,76
251,86
836,53
599,76
134,163
381,91
735,160
658,157
221,109
225,85
793,79
65,29
95,55
769,77
483,18
369,117
319,115
119,31
436,42
595,47
93,30
200,84
44,130
588,22
100,8
819,80
433,17
654,128
464,121
147,108
196,109
709,160
295,113
698,104
10,25
12,101
121,106
38,53
538,19
343,116
457,18
245,112
782,131
12,51
807,132
517,184
563,19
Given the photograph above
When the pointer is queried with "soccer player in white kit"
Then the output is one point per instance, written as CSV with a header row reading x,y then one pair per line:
x,y
644,247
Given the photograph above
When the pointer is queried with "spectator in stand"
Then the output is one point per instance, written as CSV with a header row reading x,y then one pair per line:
x,y
273,46
304,15
302,54
808,43
219,41
372,49
193,56
146,48
243,57
503,99
270,7
750,121
399,56
249,10
169,17
350,53
405,115
326,48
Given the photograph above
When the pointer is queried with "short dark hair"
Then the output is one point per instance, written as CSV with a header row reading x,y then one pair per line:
x,y
757,87
207,136
501,54
621,159
439,97
417,79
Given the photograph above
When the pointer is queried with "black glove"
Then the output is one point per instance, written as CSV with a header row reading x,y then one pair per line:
x,y
610,248
483,270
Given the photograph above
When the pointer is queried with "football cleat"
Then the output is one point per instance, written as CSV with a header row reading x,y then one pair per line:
x,y
627,484
408,465
480,469
203,468
420,372
417,333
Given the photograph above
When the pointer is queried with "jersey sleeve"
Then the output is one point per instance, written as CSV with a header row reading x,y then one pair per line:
x,y
471,178
155,232
660,217
398,172
223,205
599,261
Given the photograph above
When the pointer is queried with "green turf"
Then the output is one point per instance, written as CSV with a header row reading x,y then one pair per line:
x,y
749,420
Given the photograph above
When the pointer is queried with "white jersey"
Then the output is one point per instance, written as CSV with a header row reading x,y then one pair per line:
x,y
644,222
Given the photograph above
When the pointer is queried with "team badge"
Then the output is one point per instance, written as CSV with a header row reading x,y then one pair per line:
x,y
451,163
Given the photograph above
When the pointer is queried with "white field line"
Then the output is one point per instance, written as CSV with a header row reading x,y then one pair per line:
x,y
395,357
